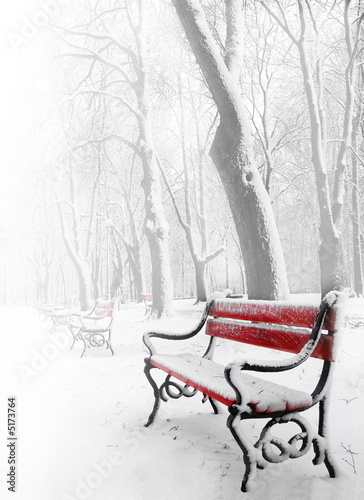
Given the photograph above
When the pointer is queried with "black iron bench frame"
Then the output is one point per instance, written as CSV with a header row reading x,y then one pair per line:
x,y
328,316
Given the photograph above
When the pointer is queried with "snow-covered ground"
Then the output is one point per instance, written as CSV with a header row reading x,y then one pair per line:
x,y
80,421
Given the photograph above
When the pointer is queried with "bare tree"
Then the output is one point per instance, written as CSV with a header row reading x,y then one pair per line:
x,y
231,150
127,84
330,205
71,227
41,257
193,218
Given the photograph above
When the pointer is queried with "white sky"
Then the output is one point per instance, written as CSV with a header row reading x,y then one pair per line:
x,y
17,102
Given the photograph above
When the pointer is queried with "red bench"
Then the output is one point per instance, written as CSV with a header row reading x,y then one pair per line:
x,y
304,330
148,302
94,328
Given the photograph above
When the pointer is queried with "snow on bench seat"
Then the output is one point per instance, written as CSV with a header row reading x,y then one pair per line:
x,y
208,377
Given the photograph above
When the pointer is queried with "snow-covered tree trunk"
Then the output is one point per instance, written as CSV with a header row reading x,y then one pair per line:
x,y
85,283
330,252
81,265
201,285
135,262
232,152
355,216
156,225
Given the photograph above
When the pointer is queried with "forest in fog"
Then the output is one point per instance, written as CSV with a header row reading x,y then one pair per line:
x,y
179,147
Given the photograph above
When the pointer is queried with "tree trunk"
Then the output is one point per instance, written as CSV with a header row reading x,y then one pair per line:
x,y
81,265
135,262
232,154
330,251
201,284
118,279
253,217
138,273
156,225
355,218
84,284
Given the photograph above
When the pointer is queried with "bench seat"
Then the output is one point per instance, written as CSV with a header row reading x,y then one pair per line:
x,y
208,377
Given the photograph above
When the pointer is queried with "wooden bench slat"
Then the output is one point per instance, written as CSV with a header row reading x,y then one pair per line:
x,y
271,337
268,312
208,377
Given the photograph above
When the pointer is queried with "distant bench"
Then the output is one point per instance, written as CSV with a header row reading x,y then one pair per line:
x,y
59,313
94,328
148,302
305,330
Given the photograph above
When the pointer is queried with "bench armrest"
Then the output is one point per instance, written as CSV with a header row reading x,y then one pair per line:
x,y
58,309
76,314
266,366
90,316
86,320
176,336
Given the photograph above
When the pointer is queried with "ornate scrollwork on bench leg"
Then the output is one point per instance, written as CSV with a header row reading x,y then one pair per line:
x,y
165,391
182,390
98,340
275,450
272,449
269,444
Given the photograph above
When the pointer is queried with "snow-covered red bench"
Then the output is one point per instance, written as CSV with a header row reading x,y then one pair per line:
x,y
148,302
93,328
307,331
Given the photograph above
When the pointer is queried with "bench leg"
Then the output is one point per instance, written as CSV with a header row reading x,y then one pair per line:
x,y
73,341
74,337
328,460
82,337
109,346
214,406
249,451
54,325
108,342
147,369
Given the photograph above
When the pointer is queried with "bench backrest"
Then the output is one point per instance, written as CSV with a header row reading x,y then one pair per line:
x,y
104,307
281,326
148,298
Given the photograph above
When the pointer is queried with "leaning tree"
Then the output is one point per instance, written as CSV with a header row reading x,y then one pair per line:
x,y
231,149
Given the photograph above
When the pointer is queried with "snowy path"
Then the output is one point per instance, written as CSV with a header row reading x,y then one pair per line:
x,y
80,423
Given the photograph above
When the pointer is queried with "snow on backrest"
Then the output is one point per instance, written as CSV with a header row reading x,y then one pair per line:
x,y
268,324
102,307
271,312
